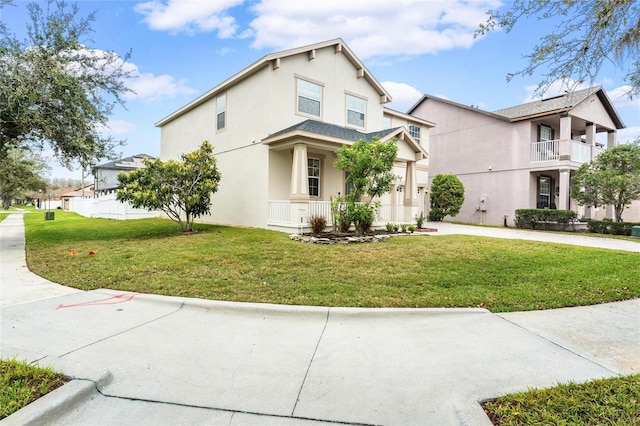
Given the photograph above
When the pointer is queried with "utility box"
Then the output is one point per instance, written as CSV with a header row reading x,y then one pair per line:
x,y
49,215
483,203
635,231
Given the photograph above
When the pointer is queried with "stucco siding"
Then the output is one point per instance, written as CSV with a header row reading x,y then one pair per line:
x,y
591,109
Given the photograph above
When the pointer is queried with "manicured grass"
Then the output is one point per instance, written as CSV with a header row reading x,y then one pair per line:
x,y
3,216
614,401
21,384
253,265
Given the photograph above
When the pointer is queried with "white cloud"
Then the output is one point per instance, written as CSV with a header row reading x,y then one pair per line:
x,y
404,95
152,87
190,16
118,127
620,98
371,27
558,87
628,135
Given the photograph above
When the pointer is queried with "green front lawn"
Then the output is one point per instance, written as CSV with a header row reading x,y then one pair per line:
x,y
614,401
21,384
254,265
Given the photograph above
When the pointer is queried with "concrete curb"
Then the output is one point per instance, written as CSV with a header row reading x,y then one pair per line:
x,y
47,409
85,378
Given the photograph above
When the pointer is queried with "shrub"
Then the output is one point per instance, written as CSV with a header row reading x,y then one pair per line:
x,y
541,218
609,227
396,227
362,217
420,219
412,228
447,197
403,227
389,226
340,214
318,224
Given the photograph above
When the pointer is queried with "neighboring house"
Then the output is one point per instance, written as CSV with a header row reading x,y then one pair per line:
x,y
276,126
66,196
519,157
106,175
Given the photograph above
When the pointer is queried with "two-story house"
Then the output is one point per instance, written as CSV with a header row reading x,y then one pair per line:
x,y
106,175
519,157
276,126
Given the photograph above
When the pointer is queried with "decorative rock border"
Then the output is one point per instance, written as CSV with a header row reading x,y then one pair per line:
x,y
347,239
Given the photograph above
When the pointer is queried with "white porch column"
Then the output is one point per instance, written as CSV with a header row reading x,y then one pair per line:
x,y
591,138
612,139
565,137
563,196
410,195
299,174
611,142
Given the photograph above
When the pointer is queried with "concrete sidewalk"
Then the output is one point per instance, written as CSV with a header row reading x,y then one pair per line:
x,y
146,359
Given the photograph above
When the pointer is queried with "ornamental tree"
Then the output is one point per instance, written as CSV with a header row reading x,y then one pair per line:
x,y
613,177
180,189
447,197
369,166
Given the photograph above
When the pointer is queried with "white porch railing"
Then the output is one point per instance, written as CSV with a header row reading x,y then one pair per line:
x,y
545,151
280,213
550,151
580,152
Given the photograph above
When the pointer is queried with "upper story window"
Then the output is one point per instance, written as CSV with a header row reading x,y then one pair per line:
x,y
309,98
415,132
313,167
356,110
545,133
386,122
221,112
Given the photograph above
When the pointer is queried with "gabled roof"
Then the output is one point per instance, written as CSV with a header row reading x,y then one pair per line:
x,y
273,60
132,162
456,104
559,104
335,134
408,117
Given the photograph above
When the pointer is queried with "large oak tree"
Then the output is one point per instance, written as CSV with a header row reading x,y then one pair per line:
x,y
55,89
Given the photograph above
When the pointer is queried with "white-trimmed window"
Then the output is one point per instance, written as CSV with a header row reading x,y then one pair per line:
x,y
415,132
221,112
313,166
309,98
356,110
546,133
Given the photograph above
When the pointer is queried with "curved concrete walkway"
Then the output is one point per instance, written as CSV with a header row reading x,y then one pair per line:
x,y
145,359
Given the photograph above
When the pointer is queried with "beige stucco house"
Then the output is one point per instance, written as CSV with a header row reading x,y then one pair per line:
x,y
519,157
106,175
276,126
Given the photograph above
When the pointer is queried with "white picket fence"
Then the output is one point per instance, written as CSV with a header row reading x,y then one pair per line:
x,y
107,207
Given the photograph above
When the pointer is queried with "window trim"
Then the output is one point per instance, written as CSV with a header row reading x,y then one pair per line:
x,y
415,126
347,109
318,178
224,112
551,131
299,78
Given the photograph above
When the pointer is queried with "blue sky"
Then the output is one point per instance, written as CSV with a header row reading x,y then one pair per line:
x,y
182,48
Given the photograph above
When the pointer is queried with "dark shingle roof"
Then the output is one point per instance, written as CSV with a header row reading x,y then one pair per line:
x,y
131,162
332,130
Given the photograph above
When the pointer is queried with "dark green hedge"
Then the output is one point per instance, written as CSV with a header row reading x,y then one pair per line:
x,y
543,218
608,227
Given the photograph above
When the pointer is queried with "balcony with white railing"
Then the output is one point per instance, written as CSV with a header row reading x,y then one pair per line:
x,y
554,150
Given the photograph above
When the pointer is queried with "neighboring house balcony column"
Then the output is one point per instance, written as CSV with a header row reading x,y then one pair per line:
x,y
299,185
565,137
563,195
410,199
591,139
611,142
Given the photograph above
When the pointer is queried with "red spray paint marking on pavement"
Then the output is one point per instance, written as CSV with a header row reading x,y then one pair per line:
x,y
113,300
